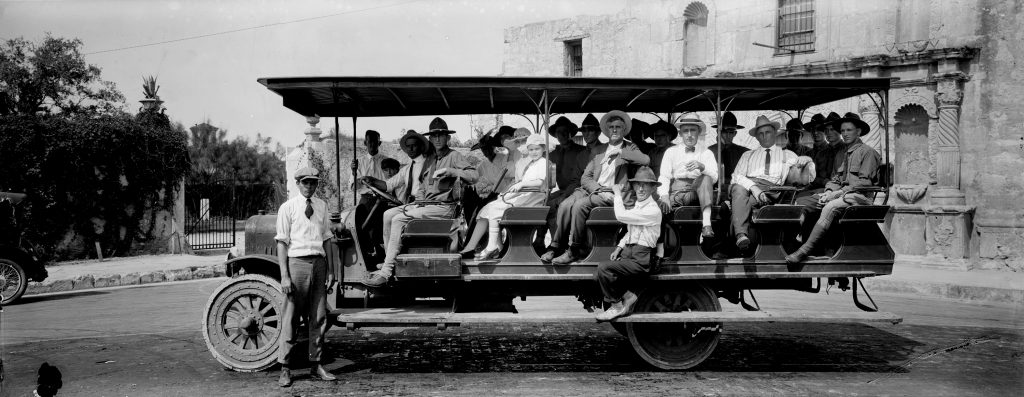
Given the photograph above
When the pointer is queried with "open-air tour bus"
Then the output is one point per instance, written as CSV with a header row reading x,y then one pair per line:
x,y
678,318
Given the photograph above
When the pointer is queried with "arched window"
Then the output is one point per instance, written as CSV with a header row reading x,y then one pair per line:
x,y
912,160
695,34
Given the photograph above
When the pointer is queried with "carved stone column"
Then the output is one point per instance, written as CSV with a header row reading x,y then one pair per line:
x,y
949,95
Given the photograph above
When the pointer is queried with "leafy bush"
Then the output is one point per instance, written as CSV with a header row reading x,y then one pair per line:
x,y
102,178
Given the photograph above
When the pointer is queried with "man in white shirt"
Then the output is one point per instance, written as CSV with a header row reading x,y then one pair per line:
x,y
369,165
303,229
688,173
632,257
757,171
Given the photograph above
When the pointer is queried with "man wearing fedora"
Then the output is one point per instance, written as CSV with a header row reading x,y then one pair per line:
x,y
688,173
859,168
437,184
730,152
610,166
757,171
632,256
303,229
664,134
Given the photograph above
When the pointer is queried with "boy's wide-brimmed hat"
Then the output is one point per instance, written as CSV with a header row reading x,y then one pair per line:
x,y
816,122
729,121
854,118
413,134
306,173
761,122
564,122
692,121
625,117
832,118
645,174
794,125
438,126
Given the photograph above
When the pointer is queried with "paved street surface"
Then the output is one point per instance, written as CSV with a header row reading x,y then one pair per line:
x,y
145,341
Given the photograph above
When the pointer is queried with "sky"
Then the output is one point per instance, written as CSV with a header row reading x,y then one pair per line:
x,y
213,77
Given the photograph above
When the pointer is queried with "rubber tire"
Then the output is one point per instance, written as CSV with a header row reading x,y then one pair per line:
x,y
10,267
649,339
228,353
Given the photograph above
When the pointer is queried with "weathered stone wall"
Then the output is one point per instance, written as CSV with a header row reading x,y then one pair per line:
x,y
992,127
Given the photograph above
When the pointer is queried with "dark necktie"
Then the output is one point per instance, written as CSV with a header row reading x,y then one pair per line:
x,y
767,160
309,208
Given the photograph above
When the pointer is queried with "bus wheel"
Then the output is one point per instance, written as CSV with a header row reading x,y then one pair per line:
x,y
242,322
675,346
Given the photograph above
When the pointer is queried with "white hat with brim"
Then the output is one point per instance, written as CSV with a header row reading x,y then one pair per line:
x,y
625,117
691,121
535,139
763,121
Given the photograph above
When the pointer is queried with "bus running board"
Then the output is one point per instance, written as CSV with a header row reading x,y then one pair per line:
x,y
430,317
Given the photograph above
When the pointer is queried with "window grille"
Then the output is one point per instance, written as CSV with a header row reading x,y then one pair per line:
x,y
574,58
795,26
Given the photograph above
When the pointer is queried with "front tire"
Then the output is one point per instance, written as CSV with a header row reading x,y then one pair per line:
x,y
13,281
242,322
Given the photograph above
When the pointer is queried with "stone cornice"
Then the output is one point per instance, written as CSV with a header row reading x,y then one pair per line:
x,y
854,65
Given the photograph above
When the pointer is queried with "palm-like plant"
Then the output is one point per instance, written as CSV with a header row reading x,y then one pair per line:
x,y
149,87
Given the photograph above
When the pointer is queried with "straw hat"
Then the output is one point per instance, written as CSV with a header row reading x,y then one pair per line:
x,y
691,121
761,122
625,117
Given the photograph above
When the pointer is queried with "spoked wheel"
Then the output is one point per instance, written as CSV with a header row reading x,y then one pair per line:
x,y
675,346
12,281
242,323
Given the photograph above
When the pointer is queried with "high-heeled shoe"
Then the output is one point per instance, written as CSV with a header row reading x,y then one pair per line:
x,y
485,255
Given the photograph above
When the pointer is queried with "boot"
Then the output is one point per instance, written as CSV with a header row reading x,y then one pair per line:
x,y
286,377
318,371
801,254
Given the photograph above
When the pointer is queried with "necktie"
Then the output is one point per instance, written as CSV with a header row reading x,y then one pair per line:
x,y
309,208
767,160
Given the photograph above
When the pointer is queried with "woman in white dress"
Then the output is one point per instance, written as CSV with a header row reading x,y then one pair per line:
x,y
530,173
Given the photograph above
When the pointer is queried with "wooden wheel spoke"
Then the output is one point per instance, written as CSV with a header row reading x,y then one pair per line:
x,y
258,303
266,309
246,302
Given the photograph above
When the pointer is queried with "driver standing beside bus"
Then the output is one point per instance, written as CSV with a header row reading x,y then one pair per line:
x,y
303,229
434,184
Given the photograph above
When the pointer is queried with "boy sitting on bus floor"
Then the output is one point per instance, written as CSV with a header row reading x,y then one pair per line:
x,y
688,174
605,170
859,169
632,257
757,171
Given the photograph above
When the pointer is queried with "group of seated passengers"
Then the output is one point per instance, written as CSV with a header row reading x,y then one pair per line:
x,y
587,176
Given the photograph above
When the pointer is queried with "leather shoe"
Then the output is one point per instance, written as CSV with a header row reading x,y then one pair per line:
x,y
318,371
548,256
565,259
796,257
375,280
485,255
707,232
285,379
742,242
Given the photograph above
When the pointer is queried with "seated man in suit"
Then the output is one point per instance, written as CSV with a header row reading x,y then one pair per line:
x,y
608,167
756,172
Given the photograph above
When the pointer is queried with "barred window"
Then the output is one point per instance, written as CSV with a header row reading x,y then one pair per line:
x,y
574,58
795,27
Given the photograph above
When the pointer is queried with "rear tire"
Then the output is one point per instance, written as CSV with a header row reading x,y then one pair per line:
x,y
13,281
675,346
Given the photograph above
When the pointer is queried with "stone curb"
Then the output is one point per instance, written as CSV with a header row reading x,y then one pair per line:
x,y
945,290
118,280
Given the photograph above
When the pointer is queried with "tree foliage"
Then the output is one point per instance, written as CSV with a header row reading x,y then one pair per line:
x,y
214,158
52,77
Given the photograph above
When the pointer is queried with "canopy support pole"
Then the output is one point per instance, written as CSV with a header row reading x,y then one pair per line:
x,y
355,169
337,159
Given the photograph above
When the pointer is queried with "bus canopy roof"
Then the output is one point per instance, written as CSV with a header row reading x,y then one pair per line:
x,y
418,96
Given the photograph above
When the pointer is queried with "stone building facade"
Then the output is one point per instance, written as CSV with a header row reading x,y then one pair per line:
x,y
956,132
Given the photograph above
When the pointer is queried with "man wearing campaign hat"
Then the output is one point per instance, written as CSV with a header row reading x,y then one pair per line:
x,y
795,130
632,256
664,134
858,169
610,166
730,152
757,171
591,130
688,173
303,229
437,184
